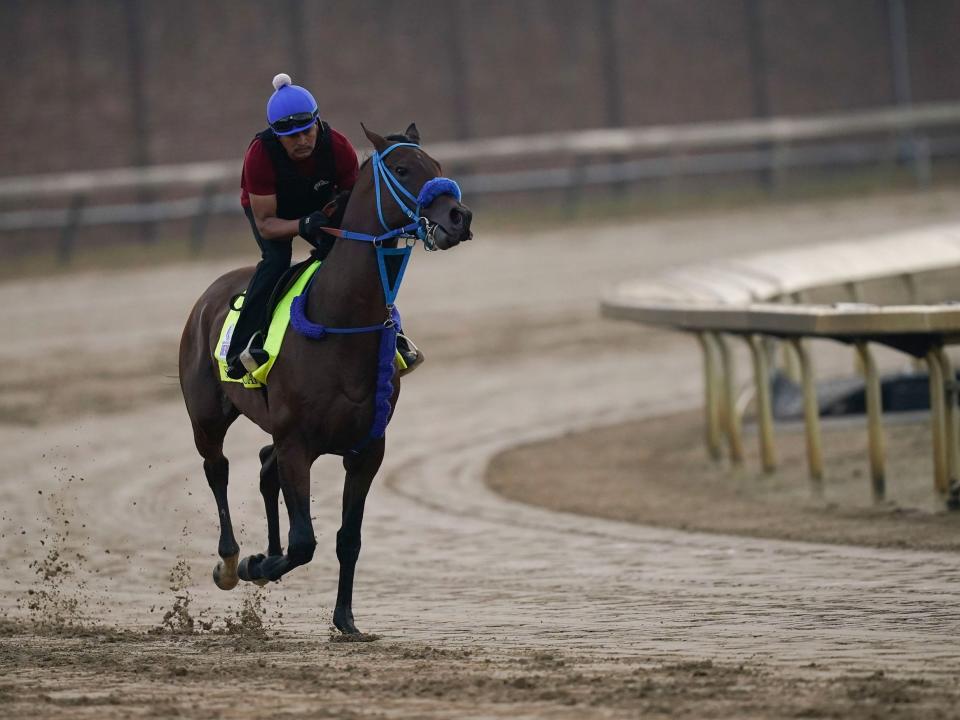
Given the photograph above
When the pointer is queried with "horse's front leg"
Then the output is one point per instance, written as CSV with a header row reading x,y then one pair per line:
x,y
361,469
294,469
270,490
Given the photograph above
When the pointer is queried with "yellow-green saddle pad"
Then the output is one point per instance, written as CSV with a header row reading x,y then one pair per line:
x,y
275,333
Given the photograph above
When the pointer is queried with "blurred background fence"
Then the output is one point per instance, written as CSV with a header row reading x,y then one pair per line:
x,y
769,146
124,112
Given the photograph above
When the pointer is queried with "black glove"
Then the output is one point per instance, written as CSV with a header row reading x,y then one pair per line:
x,y
311,225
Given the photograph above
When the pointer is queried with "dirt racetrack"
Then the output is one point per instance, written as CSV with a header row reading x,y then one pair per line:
x,y
484,607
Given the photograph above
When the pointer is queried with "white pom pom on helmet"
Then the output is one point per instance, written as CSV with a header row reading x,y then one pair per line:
x,y
291,108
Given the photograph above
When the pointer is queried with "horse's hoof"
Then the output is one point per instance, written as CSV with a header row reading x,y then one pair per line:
x,y
225,573
243,570
343,621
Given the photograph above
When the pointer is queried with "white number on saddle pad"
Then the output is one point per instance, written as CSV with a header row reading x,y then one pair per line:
x,y
225,345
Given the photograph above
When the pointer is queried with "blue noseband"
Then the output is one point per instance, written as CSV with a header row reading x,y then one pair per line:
x,y
432,189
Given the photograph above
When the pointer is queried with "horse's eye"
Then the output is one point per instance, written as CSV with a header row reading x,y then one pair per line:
x,y
400,171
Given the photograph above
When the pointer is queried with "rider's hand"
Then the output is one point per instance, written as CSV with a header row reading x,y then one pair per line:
x,y
336,208
312,224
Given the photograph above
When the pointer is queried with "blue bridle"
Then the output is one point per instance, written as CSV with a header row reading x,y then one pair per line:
x,y
419,227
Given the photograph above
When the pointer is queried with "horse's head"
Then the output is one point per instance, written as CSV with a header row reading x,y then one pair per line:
x,y
448,219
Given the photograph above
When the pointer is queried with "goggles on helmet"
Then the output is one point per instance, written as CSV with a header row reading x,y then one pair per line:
x,y
285,125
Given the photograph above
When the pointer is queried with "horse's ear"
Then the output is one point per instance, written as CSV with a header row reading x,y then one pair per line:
x,y
379,144
412,133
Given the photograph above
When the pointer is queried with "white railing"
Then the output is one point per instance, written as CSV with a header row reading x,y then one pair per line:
x,y
734,299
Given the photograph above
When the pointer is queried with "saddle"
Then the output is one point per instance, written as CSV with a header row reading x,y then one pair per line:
x,y
291,284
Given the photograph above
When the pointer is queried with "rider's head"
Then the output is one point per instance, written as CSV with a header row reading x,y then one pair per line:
x,y
293,114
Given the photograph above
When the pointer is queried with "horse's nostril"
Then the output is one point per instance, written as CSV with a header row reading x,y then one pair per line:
x,y
456,217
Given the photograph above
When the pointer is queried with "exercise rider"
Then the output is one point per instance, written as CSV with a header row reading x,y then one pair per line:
x,y
296,177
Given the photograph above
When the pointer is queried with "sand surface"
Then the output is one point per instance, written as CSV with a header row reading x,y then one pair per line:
x,y
483,607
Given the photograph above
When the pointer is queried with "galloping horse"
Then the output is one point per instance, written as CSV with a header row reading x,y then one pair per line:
x,y
325,395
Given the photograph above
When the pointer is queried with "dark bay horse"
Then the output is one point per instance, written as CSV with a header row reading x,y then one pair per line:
x,y
322,393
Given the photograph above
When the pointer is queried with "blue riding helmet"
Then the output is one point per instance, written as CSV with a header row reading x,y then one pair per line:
x,y
291,109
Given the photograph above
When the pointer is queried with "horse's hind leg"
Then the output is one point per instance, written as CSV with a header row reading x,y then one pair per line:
x,y
270,489
217,468
211,416
361,470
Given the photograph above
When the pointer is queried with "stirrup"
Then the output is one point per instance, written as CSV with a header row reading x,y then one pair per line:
x,y
249,359
410,353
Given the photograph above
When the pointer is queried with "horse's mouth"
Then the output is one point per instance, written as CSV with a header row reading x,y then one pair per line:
x,y
445,237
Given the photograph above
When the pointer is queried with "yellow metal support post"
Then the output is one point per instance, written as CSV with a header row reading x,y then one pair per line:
x,y
950,419
874,424
711,395
791,363
811,416
730,416
761,378
938,421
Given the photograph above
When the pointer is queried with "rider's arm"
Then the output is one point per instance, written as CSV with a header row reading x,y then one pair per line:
x,y
269,226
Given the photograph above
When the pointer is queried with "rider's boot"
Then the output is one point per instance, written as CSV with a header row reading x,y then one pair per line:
x,y
248,359
410,353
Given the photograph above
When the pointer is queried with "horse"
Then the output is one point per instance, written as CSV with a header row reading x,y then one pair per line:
x,y
325,396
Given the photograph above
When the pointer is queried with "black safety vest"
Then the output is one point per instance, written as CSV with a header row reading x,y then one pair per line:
x,y
297,194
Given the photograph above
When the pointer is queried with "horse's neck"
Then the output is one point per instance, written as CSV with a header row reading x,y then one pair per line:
x,y
348,292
